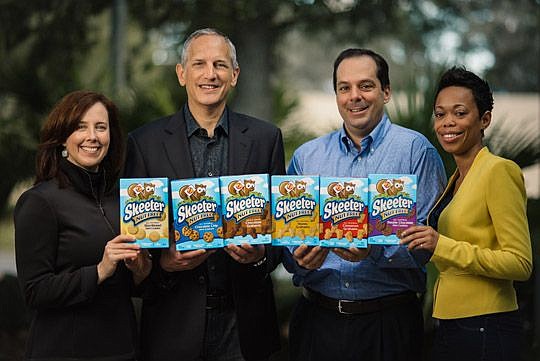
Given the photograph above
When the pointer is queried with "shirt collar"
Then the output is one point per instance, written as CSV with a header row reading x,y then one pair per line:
x,y
192,126
368,143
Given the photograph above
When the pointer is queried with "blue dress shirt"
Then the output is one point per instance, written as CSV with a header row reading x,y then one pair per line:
x,y
389,148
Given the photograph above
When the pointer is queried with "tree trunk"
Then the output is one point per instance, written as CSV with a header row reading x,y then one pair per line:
x,y
254,51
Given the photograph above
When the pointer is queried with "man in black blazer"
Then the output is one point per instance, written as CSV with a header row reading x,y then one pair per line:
x,y
208,305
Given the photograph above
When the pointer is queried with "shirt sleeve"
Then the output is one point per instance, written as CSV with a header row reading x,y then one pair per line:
x,y
512,258
36,246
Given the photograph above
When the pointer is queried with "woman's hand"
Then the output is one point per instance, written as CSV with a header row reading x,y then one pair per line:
x,y
117,249
420,237
140,266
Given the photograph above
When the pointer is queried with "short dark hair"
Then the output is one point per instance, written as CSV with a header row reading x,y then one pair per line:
x,y
459,76
62,121
382,65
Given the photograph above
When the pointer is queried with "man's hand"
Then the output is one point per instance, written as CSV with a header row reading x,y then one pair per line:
x,y
310,257
245,253
352,254
172,260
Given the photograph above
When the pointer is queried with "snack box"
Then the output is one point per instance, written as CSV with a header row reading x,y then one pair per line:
x,y
295,210
392,206
144,210
245,203
344,208
196,204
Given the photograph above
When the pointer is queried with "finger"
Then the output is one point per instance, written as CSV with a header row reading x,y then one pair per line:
x,y
319,258
123,238
311,256
189,255
232,253
301,251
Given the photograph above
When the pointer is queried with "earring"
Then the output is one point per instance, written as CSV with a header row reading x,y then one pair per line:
x,y
64,153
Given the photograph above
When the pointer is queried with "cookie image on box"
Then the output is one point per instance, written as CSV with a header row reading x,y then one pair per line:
x,y
196,210
246,209
144,211
344,208
392,206
295,210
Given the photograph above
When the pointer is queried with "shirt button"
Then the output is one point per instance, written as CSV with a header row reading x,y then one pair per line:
x,y
347,284
482,329
210,174
201,280
389,259
212,268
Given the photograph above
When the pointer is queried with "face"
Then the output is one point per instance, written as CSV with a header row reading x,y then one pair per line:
x,y
208,74
457,123
359,95
89,143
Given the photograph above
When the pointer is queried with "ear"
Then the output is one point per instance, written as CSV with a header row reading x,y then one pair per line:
x,y
486,120
180,74
387,93
234,80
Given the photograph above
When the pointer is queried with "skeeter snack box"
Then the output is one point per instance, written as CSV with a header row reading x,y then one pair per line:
x,y
197,213
295,210
392,206
246,209
344,221
144,211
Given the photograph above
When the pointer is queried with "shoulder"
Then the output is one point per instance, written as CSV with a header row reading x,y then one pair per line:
x,y
247,121
153,128
499,165
330,140
41,195
409,137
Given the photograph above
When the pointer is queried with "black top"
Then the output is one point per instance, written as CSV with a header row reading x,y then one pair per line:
x,y
209,156
60,235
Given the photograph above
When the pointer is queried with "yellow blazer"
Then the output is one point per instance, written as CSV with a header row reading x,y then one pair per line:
x,y
484,242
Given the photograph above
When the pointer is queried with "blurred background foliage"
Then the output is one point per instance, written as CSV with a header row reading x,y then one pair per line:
x,y
128,50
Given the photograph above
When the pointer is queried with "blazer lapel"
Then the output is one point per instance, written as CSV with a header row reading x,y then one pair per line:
x,y
239,144
176,147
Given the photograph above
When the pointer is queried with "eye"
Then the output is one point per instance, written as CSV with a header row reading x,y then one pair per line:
x,y
438,115
343,88
367,86
101,127
221,66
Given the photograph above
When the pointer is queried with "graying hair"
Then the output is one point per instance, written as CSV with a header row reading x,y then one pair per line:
x,y
208,31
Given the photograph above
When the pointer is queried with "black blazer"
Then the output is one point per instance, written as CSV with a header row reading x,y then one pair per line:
x,y
173,314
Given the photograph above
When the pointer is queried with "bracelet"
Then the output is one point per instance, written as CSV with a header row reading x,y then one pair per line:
x,y
260,262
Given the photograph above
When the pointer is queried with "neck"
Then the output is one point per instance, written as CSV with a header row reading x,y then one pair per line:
x,y
207,116
465,161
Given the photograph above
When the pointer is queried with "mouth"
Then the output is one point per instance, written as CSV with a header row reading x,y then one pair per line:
x,y
90,149
358,109
209,86
450,136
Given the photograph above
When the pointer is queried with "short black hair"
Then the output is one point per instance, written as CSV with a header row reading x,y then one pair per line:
x,y
382,65
459,76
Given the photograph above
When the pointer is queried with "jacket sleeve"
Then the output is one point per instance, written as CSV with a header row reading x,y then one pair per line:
x,y
36,246
512,257
277,166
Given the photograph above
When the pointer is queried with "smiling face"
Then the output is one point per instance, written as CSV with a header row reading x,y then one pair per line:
x,y
359,95
208,73
89,143
457,123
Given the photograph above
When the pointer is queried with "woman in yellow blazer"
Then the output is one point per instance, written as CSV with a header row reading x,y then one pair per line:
x,y
477,231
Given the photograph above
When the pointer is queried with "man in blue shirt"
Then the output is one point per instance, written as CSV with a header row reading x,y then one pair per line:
x,y
362,304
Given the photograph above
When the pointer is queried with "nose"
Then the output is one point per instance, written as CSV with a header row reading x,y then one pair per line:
x,y
355,93
210,71
91,133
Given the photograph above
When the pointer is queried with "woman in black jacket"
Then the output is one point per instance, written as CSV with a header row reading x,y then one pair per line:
x,y
76,272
